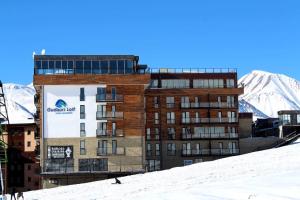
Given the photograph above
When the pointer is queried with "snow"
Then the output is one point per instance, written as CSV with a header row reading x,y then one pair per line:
x,y
268,93
20,102
270,174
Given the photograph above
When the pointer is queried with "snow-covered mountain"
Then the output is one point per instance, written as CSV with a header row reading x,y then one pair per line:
x,y
266,93
20,104
263,175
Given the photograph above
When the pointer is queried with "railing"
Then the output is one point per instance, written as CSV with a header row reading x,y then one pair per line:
x,y
105,115
59,166
111,151
209,136
208,105
195,152
109,133
208,120
224,151
170,121
170,105
208,152
191,70
109,97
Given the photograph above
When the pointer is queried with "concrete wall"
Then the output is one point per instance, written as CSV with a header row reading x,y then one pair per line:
x,y
248,145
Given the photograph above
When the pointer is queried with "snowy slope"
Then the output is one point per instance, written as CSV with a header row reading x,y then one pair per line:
x,y
271,174
19,100
269,93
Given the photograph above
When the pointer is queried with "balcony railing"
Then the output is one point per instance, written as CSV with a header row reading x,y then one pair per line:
x,y
195,152
109,133
109,97
191,70
110,151
208,152
208,105
186,136
208,120
170,121
224,151
170,105
111,115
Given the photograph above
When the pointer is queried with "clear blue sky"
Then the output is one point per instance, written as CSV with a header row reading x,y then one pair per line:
x,y
246,34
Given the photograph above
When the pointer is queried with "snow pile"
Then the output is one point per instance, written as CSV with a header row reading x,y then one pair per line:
x,y
20,102
270,174
268,93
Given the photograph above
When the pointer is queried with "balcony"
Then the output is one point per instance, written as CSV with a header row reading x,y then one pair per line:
x,y
186,136
109,115
208,105
109,133
109,97
195,152
208,120
224,152
209,152
110,151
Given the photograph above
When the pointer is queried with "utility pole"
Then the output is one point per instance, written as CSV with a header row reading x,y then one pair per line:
x,y
3,144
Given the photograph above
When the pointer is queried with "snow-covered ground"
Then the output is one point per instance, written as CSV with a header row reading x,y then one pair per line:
x,y
266,175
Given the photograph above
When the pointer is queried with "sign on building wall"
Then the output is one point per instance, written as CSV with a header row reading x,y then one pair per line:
x,y
59,152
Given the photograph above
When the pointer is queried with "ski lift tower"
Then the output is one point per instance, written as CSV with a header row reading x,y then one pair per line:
x,y
3,144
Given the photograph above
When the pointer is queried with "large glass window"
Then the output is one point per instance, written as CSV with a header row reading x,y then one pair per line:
x,y
170,102
113,67
170,118
128,66
82,112
87,67
96,67
171,133
70,67
104,66
93,164
121,67
229,83
82,96
79,67
171,149
101,94
175,83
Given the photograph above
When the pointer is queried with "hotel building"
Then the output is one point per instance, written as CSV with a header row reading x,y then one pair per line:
x,y
107,116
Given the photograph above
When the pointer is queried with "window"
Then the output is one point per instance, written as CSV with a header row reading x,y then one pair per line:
x,y
186,132
101,129
170,118
96,67
230,83
148,134
153,165
175,83
208,83
114,146
78,67
186,149
185,117
82,112
82,129
114,128
154,83
298,118
185,102
121,66
231,117
128,66
156,102
149,149
87,66
113,67
101,112
82,96
171,133
113,93
170,102
171,149
101,94
157,149
28,132
93,164
102,147
104,66
197,118
230,101
113,111
156,133
219,116
28,144
82,147
156,118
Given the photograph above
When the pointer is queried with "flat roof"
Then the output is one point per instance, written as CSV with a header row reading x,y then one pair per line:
x,y
83,57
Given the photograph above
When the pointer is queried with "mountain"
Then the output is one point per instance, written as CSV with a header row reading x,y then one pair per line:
x,y
248,176
19,101
266,93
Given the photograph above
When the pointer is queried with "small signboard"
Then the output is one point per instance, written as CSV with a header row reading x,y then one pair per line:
x,y
59,152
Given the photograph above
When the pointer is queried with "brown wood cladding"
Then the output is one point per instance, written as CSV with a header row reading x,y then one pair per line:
x,y
110,79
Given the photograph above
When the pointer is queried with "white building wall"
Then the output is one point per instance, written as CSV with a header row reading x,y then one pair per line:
x,y
62,124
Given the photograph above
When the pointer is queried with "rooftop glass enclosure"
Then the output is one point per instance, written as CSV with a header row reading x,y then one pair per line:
x,y
48,65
